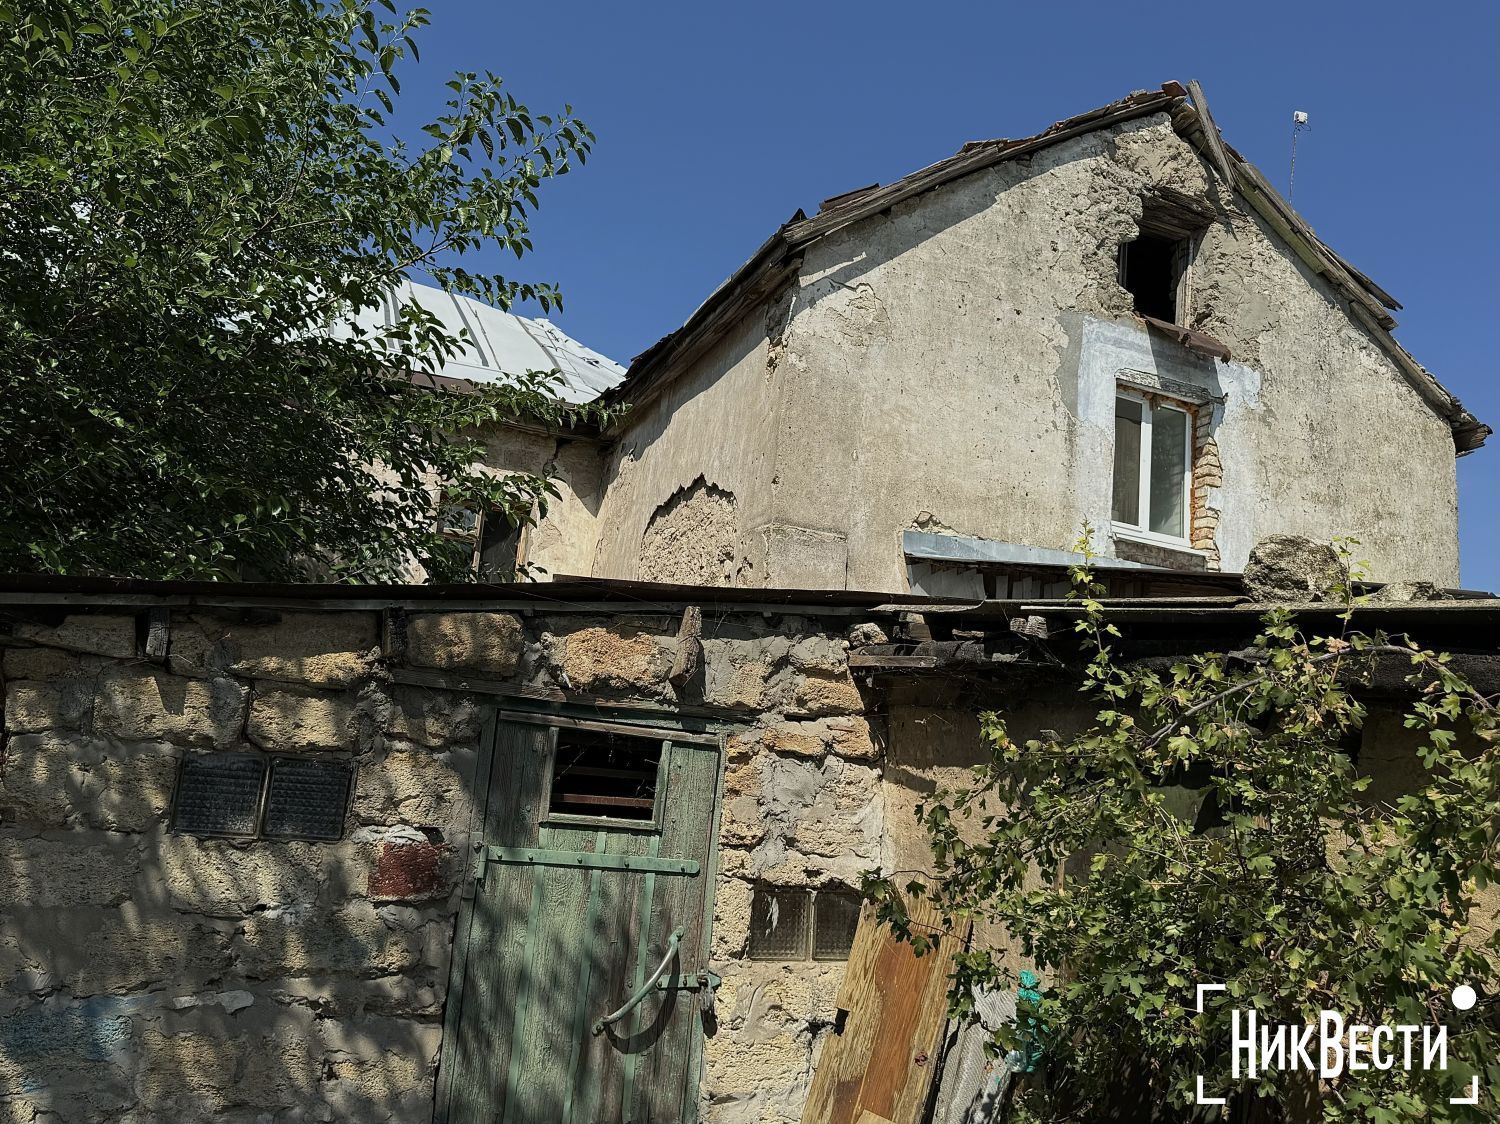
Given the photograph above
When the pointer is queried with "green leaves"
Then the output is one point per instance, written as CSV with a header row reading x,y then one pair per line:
x,y
196,193
1211,825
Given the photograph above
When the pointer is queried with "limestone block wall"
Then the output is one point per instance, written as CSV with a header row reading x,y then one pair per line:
x,y
149,976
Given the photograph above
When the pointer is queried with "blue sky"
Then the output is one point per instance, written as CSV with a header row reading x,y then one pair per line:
x,y
717,121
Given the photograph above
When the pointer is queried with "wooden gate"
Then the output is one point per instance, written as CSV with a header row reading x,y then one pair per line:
x,y
597,849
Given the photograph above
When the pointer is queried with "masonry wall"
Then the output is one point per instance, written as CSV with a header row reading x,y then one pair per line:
x,y
149,976
951,364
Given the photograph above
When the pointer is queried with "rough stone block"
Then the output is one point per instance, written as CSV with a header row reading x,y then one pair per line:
x,y
31,706
223,879
822,693
844,816
738,673
138,704
204,1074
380,1069
433,718
184,1076
46,664
93,952
48,873
302,941
487,643
820,653
286,720
415,787
850,736
100,634
53,780
332,649
619,657
731,930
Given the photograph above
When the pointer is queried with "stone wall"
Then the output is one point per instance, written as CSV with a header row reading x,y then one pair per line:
x,y
148,976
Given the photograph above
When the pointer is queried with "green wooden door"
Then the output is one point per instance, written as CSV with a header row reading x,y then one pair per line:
x,y
597,846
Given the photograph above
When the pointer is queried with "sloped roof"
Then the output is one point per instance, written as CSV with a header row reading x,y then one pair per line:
x,y
501,343
775,263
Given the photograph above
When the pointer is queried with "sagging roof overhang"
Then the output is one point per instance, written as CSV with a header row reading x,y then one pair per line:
x,y
776,262
565,595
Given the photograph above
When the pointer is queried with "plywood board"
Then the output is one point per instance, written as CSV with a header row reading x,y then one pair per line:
x,y
895,1003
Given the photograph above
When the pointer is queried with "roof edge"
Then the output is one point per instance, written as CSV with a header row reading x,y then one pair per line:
x,y
777,257
646,375
1368,302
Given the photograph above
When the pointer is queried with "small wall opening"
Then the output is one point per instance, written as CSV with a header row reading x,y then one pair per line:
x,y
791,925
604,774
1150,270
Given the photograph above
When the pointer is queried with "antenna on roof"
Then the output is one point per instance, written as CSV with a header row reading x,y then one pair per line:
x,y
1299,122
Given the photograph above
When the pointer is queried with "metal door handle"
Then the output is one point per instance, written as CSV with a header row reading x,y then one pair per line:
x,y
645,989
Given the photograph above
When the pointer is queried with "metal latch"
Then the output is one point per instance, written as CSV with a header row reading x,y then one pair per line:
x,y
701,981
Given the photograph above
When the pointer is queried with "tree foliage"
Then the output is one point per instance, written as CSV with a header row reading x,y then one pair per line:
x,y
1288,882
196,196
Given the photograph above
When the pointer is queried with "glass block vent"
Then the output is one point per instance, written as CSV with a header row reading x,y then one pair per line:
x,y
307,799
835,917
219,794
254,796
778,924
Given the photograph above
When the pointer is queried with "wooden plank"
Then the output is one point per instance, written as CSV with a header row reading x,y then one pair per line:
x,y
544,1048
1217,156
688,816
458,965
498,937
598,1081
895,1004
457,681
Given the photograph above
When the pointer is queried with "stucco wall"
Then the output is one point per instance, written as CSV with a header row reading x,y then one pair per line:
x,y
957,357
716,423
562,542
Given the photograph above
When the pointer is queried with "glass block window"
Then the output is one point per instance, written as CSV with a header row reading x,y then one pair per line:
x,y
219,794
778,924
802,924
307,799
247,795
835,917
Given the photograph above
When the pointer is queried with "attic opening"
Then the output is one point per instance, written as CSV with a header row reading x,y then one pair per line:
x,y
1150,270
1154,267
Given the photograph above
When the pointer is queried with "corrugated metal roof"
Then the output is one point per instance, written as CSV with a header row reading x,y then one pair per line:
x,y
501,343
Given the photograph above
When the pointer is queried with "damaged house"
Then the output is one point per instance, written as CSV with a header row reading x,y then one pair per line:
x,y
585,850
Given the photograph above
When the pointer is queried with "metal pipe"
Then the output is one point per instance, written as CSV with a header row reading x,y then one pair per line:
x,y
645,989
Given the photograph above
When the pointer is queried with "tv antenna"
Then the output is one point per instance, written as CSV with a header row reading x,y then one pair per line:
x,y
1299,122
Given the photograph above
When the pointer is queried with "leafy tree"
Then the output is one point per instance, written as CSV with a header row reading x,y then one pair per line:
x,y
1291,885
195,198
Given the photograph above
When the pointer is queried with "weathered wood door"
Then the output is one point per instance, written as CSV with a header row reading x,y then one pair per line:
x,y
598,844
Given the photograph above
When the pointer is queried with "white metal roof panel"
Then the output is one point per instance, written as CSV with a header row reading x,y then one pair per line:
x,y
498,343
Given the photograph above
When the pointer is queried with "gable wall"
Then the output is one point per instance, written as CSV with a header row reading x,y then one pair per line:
x,y
951,365
961,353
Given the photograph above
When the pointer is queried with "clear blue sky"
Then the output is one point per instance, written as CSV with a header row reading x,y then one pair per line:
x,y
717,121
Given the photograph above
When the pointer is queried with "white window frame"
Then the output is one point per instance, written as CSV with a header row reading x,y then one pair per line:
x,y
1143,497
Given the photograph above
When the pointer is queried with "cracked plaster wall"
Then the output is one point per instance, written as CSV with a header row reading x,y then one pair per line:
x,y
951,355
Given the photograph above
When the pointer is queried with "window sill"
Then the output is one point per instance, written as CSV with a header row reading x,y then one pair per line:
x,y
1200,343
1150,538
